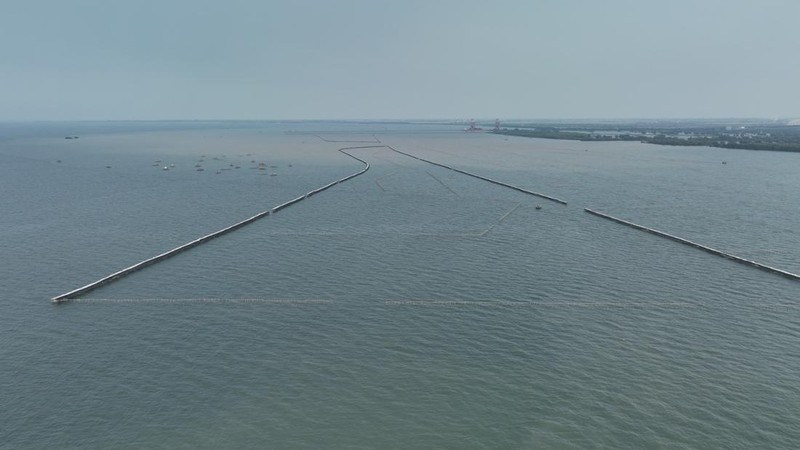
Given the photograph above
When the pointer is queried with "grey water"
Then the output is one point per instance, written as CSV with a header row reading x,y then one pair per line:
x,y
410,307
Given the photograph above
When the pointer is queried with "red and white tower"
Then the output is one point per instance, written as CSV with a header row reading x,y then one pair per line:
x,y
472,127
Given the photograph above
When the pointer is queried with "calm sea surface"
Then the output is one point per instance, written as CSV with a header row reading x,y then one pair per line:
x,y
410,307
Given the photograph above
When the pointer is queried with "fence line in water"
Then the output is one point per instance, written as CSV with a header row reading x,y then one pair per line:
x,y
150,261
511,186
696,245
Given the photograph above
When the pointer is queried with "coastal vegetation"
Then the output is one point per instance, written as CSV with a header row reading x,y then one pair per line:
x,y
747,135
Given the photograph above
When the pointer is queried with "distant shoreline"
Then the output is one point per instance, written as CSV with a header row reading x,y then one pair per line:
x,y
780,138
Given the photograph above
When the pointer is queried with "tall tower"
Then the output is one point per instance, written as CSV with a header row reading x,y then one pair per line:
x,y
472,126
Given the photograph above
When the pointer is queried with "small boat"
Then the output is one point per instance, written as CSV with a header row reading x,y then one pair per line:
x,y
273,174
200,169
538,206
165,168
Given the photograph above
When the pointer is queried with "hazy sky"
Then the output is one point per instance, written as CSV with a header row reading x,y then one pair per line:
x,y
316,59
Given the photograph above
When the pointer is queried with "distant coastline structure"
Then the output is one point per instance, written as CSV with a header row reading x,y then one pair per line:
x,y
472,127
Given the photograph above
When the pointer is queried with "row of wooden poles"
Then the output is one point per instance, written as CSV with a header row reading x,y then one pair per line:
x,y
150,261
168,254
695,245
480,177
620,221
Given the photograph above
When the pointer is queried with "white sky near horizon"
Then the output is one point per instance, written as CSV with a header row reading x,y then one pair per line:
x,y
358,59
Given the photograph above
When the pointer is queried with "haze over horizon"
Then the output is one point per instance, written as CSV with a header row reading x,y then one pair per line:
x,y
357,59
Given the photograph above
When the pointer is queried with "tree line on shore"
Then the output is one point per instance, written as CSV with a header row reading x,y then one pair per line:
x,y
784,139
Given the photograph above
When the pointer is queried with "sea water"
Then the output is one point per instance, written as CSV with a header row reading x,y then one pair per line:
x,y
410,307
